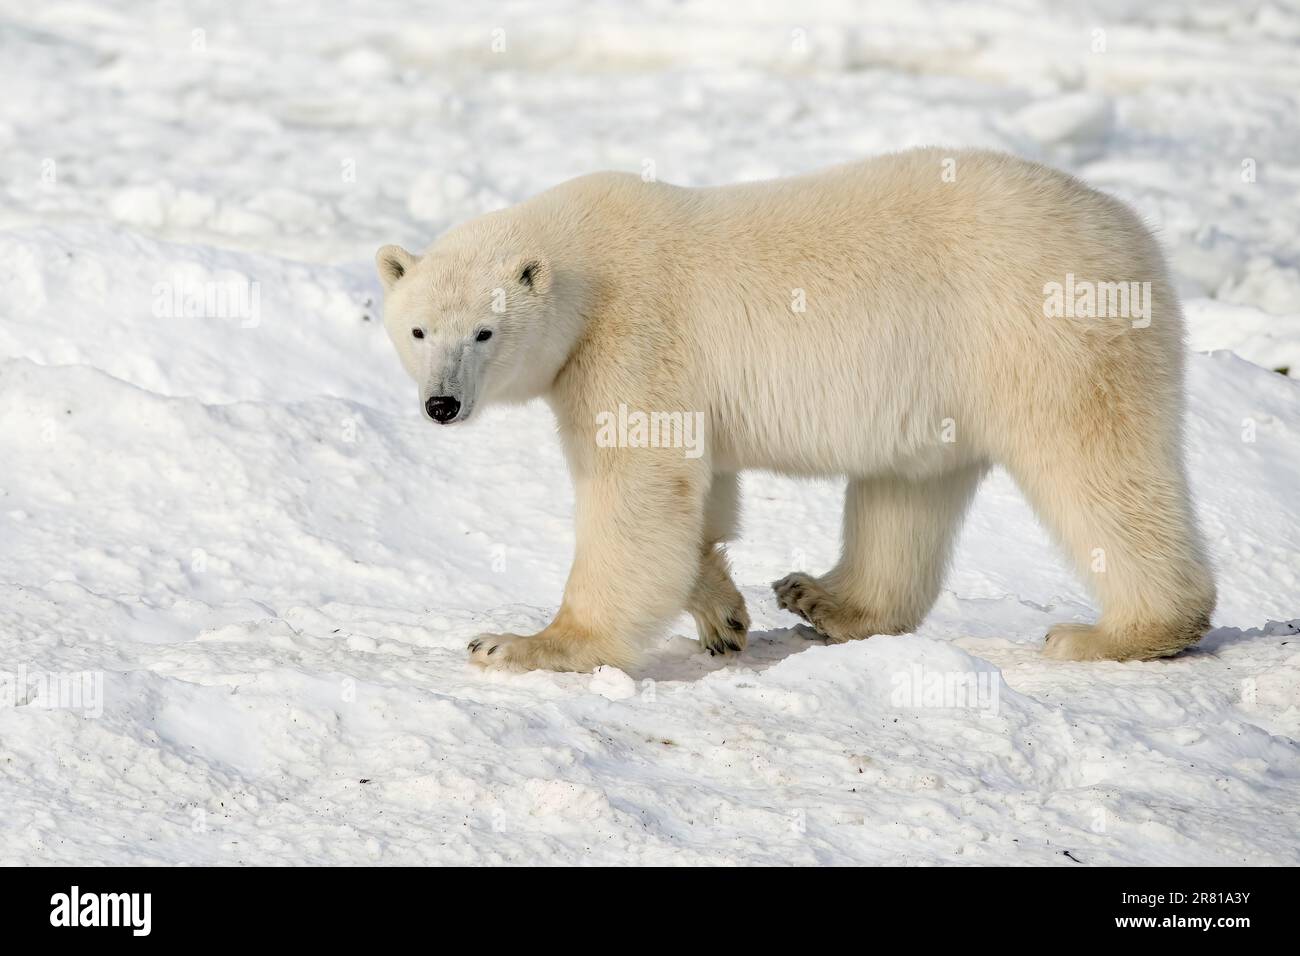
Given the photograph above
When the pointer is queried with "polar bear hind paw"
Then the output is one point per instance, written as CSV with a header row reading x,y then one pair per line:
x,y
832,618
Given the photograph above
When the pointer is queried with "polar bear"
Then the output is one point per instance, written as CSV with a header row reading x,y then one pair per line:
x,y
906,323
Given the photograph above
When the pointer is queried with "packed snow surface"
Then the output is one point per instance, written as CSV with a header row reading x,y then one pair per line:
x,y
238,570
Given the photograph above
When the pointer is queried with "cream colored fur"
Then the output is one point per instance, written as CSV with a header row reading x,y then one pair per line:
x,y
920,358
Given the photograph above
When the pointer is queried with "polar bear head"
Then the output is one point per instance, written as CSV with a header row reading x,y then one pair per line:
x,y
478,317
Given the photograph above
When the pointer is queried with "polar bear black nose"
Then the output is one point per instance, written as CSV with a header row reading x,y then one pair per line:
x,y
442,408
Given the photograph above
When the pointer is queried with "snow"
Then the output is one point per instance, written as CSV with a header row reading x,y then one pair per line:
x,y
245,569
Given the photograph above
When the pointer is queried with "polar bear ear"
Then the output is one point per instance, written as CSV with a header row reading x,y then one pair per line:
x,y
393,262
531,272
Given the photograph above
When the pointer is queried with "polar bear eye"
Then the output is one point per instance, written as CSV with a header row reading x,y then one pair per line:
x,y
483,336
418,333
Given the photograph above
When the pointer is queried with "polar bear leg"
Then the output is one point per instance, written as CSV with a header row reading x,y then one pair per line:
x,y
898,537
719,611
640,521
1124,517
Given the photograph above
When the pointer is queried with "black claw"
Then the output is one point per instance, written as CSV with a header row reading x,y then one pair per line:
x,y
493,650
712,652
734,624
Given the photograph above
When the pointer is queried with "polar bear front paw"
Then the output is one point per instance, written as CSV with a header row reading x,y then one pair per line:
x,y
547,650
722,628
490,650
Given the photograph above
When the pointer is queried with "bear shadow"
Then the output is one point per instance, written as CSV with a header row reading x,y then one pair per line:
x,y
681,659
1216,639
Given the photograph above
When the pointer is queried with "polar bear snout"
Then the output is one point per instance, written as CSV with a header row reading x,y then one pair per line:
x,y
443,409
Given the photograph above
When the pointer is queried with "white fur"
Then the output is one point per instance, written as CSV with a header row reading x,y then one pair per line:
x,y
922,357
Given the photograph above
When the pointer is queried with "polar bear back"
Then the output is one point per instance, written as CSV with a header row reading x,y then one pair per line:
x,y
842,319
